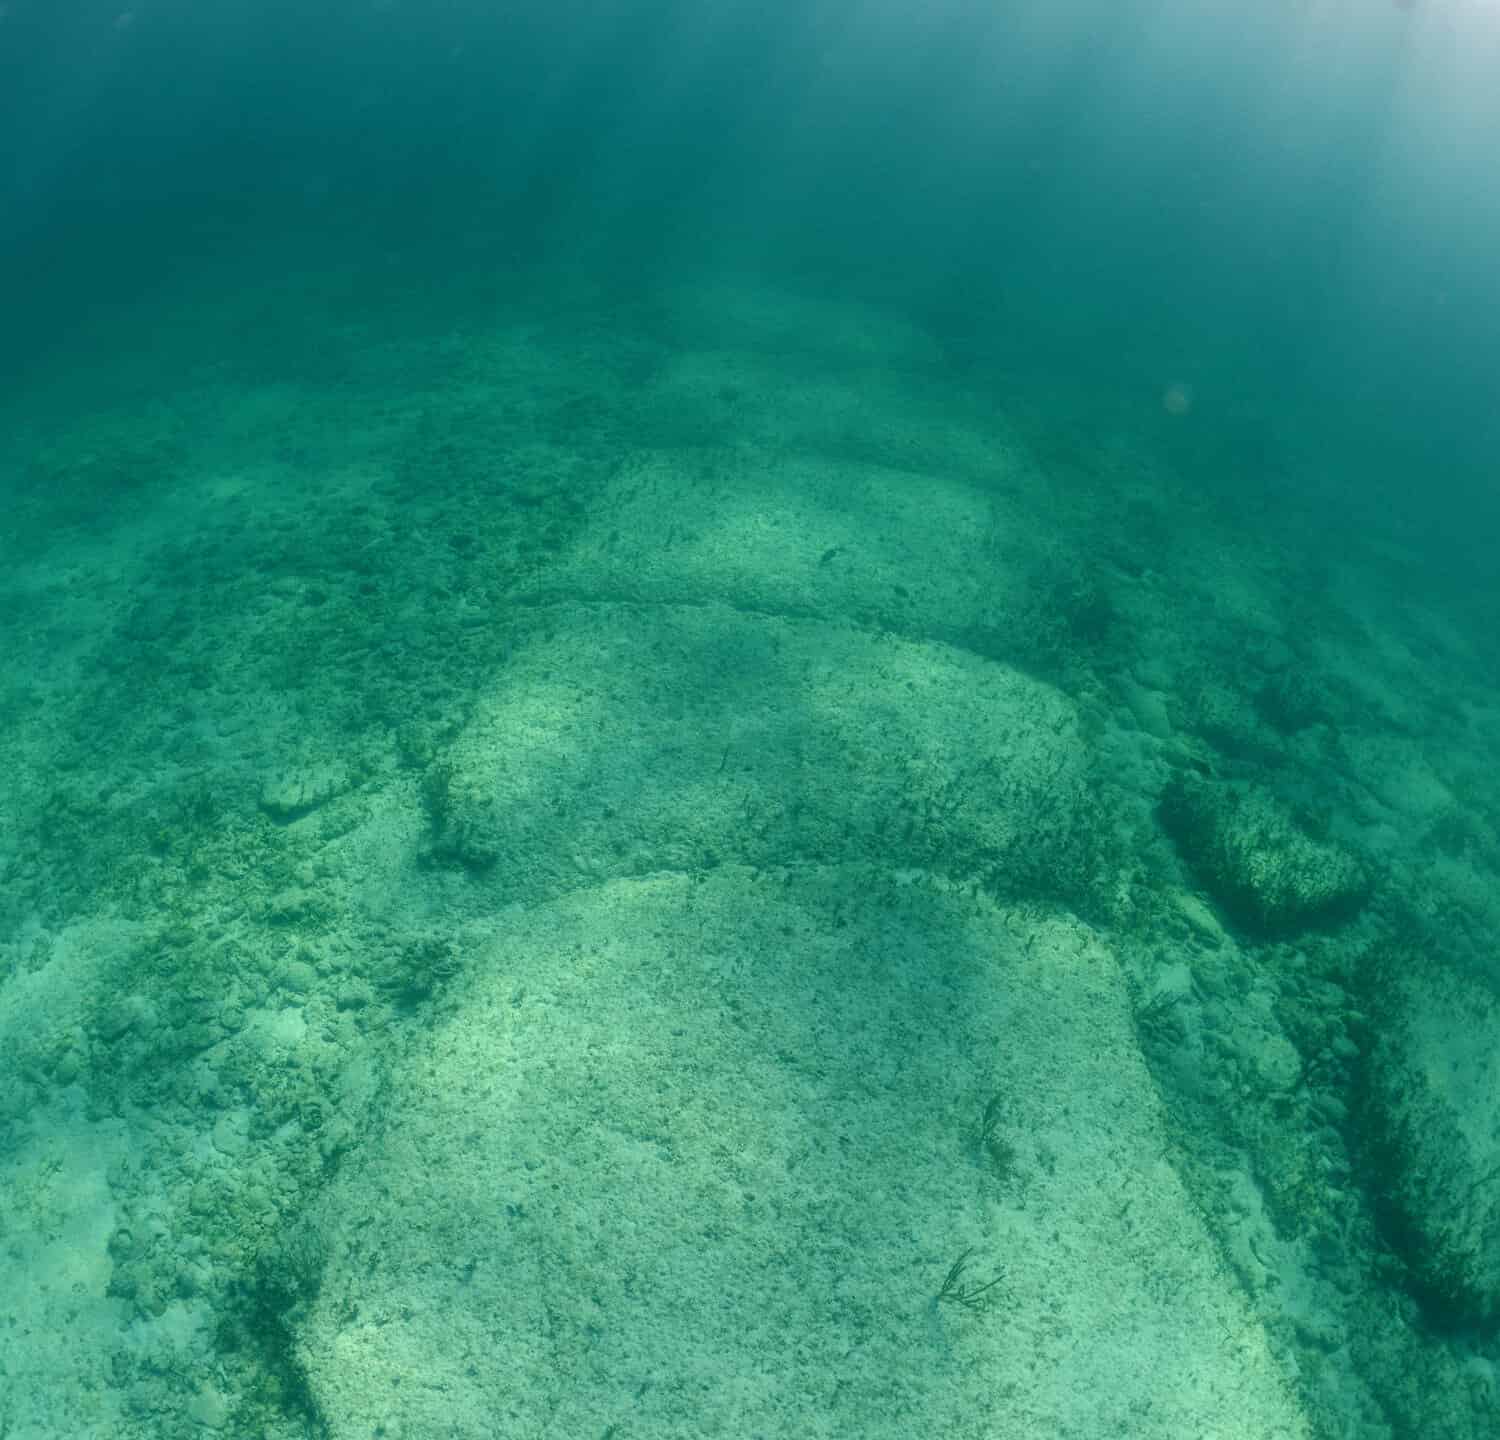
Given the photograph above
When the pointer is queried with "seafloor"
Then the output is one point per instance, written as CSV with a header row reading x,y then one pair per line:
x,y
683,860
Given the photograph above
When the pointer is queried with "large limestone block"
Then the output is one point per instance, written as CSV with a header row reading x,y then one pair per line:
x,y
694,1157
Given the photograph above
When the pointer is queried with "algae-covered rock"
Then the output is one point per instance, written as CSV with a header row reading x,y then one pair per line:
x,y
1429,1131
296,792
1257,861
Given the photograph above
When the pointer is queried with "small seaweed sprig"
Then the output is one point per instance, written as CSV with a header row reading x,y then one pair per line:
x,y
957,1291
994,1113
1002,1153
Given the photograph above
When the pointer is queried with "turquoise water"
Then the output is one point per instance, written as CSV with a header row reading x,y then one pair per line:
x,y
746,719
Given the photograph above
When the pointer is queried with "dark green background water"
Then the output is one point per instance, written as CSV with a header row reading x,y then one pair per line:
x,y
1285,205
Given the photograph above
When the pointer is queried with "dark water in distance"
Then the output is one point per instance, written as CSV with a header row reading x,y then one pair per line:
x,y
1289,200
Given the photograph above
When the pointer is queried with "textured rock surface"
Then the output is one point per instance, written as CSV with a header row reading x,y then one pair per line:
x,y
694,1157
1256,861
1432,1131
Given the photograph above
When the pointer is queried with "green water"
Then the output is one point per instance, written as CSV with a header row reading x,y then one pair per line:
x,y
752,720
